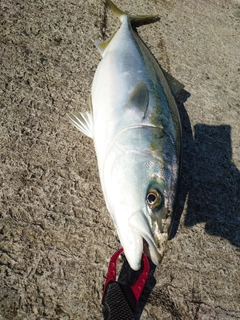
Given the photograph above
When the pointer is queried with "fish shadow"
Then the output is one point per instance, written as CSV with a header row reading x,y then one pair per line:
x,y
210,180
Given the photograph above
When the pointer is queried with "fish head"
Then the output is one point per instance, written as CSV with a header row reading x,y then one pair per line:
x,y
136,191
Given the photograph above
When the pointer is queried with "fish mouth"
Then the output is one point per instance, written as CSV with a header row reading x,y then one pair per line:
x,y
138,238
141,224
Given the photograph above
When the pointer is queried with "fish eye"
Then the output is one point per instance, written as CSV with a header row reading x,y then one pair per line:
x,y
154,198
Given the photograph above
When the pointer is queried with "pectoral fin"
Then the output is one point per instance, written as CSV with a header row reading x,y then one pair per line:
x,y
139,98
83,122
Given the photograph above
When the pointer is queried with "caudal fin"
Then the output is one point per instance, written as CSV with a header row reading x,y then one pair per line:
x,y
136,21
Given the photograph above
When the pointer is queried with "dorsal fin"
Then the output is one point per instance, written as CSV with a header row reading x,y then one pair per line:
x,y
139,98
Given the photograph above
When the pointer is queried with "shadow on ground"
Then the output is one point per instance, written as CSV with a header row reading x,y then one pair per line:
x,y
214,195
210,179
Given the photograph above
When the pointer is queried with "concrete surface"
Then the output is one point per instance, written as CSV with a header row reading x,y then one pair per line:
x,y
56,236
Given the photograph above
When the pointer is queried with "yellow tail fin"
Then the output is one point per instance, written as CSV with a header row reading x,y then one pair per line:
x,y
136,21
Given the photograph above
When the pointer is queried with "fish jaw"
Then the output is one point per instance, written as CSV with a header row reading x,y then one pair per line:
x,y
140,224
132,243
136,237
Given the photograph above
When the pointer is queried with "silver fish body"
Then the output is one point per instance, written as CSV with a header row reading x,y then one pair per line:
x,y
136,130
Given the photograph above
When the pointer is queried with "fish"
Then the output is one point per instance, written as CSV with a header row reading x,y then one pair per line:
x,y
136,129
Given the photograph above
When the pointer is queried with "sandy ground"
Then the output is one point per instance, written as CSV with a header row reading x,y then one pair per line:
x,y
56,236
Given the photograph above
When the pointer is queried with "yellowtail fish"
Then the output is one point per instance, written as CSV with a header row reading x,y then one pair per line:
x,y
135,126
